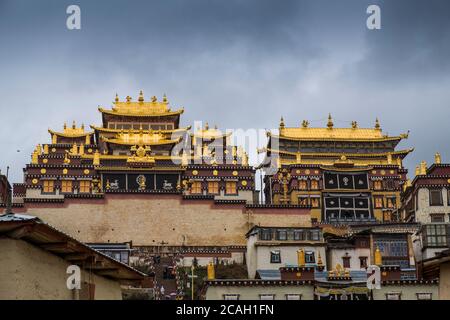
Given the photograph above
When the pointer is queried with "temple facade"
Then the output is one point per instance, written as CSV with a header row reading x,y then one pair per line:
x,y
140,147
345,175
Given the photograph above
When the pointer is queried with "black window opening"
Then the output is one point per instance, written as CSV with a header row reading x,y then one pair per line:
x,y
265,234
357,181
281,235
275,256
436,198
363,262
309,257
137,181
437,217
347,207
346,262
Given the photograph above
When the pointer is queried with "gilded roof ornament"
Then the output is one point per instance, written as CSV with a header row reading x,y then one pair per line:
x,y
154,99
377,124
354,124
141,96
282,123
437,158
165,99
128,98
330,123
305,123
117,98
423,168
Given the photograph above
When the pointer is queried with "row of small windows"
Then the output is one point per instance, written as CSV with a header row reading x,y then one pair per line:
x,y
289,296
292,234
314,185
379,201
265,296
213,187
138,126
84,186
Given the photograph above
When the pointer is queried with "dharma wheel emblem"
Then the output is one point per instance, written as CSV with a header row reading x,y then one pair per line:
x,y
141,181
345,181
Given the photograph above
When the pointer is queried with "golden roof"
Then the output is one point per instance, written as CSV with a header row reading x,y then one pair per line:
x,y
354,133
141,108
142,138
208,133
351,134
71,132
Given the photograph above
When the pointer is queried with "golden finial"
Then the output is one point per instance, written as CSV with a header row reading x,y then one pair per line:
x,y
354,124
305,123
377,257
417,172
437,158
128,98
141,96
73,124
281,123
206,126
154,99
65,125
165,98
423,168
330,122
117,98
82,126
377,124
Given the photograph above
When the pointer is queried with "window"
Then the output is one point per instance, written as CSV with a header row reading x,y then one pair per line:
x,y
230,187
275,256
66,186
314,185
378,202
435,235
49,186
213,187
390,202
315,202
293,296
196,187
378,185
314,235
309,257
302,185
393,296
424,296
266,296
281,235
299,235
437,217
346,262
231,297
85,186
265,234
302,200
435,197
363,262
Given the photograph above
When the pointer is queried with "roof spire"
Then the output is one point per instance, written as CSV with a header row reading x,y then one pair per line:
x,y
117,98
141,96
330,122
281,123
206,126
73,124
437,158
165,98
354,124
65,125
305,123
377,124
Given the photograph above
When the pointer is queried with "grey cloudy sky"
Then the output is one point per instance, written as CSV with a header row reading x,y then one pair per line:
x,y
234,63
